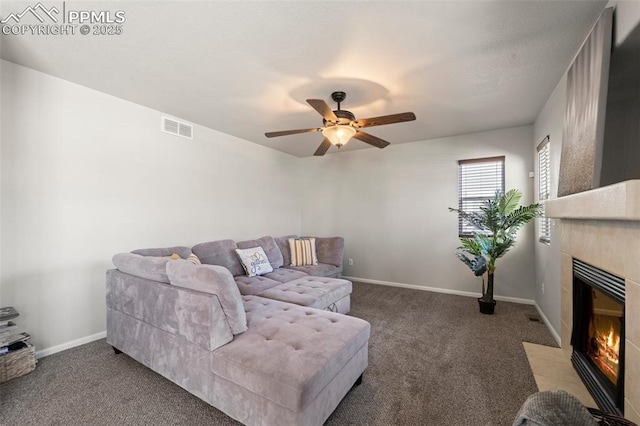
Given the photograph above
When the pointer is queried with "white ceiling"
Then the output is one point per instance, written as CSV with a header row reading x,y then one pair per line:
x,y
245,68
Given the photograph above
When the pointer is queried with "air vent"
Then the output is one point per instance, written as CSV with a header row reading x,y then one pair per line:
x,y
177,128
533,317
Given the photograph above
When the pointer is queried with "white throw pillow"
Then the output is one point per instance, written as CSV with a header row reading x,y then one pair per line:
x,y
254,261
303,251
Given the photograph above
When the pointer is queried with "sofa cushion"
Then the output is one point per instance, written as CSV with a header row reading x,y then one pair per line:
x,y
269,246
319,270
254,261
283,275
289,353
252,285
181,251
283,245
330,250
149,267
211,279
221,253
313,292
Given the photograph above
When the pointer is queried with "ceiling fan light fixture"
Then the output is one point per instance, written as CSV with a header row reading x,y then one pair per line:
x,y
339,134
340,125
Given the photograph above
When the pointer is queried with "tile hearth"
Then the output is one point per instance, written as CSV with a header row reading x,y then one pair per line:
x,y
553,371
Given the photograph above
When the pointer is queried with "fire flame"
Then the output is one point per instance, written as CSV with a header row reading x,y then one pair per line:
x,y
613,345
604,347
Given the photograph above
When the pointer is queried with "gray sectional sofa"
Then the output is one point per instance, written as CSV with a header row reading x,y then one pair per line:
x,y
265,350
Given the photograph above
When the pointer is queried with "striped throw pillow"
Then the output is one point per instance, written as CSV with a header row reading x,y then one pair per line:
x,y
303,251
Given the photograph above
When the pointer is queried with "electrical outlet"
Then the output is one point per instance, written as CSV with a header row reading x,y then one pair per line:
x,y
543,287
350,262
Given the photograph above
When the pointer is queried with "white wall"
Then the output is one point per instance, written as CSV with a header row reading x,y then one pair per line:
x,y
86,175
391,207
627,16
550,122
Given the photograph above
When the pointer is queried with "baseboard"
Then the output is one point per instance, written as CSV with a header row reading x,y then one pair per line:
x,y
72,344
440,290
553,332
88,339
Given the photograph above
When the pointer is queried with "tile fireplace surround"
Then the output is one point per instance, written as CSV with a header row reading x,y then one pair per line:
x,y
602,227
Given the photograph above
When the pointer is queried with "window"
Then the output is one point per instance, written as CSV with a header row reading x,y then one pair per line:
x,y
544,189
478,181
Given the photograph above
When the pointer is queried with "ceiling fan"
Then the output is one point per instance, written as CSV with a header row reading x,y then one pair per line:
x,y
341,125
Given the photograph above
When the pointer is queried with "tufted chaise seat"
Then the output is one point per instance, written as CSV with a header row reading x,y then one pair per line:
x,y
313,292
289,354
249,286
283,275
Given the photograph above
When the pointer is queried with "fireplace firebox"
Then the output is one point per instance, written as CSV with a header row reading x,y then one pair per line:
x,y
598,334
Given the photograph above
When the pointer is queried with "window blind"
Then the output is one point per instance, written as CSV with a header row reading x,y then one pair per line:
x,y
478,181
544,188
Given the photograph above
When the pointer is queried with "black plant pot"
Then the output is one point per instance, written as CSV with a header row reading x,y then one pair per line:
x,y
486,307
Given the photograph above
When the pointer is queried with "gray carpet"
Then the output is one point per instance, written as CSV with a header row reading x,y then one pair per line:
x,y
433,360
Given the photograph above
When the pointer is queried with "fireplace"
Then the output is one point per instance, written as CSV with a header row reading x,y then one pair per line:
x,y
601,227
598,334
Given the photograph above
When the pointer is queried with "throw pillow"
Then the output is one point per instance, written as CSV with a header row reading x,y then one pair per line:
x,y
191,258
254,261
303,251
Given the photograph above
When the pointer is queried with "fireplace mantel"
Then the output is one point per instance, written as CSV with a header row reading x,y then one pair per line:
x,y
601,227
620,201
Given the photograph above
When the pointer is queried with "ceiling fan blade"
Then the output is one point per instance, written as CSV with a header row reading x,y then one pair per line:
x,y
371,140
323,148
386,119
291,132
324,109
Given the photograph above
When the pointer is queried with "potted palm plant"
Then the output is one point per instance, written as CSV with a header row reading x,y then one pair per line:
x,y
497,223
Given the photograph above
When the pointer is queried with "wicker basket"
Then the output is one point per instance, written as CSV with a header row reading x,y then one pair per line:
x,y
17,363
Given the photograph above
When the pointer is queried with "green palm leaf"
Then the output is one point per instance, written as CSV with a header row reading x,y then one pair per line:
x,y
472,218
521,216
470,246
508,202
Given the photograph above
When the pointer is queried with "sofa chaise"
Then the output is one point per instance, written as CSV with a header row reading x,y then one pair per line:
x,y
264,353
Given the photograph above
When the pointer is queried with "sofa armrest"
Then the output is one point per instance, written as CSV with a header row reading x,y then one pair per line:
x,y
215,280
195,316
330,250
